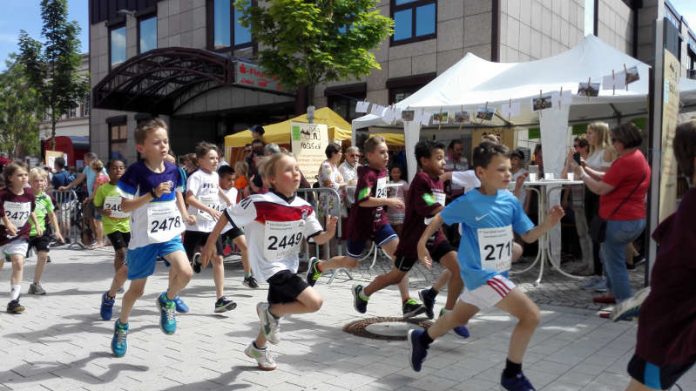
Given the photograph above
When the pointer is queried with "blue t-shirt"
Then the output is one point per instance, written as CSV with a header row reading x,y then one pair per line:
x,y
159,220
91,176
487,222
61,178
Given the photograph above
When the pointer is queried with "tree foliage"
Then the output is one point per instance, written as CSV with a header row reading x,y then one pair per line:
x,y
52,67
19,112
307,42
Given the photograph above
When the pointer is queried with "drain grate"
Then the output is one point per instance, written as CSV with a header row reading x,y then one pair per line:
x,y
393,328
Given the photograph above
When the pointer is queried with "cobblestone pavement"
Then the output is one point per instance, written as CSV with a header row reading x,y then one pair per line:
x,y
60,343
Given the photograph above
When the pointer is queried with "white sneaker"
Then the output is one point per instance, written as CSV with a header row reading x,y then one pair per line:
x,y
36,289
262,356
630,307
269,323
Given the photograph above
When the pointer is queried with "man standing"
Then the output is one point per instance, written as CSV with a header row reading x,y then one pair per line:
x,y
349,167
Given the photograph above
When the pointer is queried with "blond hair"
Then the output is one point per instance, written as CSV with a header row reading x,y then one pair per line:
x,y
601,139
147,127
97,166
269,165
36,173
241,168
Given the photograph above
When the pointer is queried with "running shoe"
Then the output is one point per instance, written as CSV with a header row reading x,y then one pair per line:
x,y
196,263
181,307
262,356
224,304
269,323
119,344
107,306
359,303
460,330
412,307
517,383
427,296
250,282
629,308
167,314
418,351
36,289
13,307
604,299
313,273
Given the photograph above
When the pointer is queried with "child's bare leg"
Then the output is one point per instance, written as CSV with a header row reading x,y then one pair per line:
x,y
17,269
442,280
635,385
342,261
180,273
135,290
260,340
389,249
461,314
41,258
308,301
392,277
120,272
240,242
517,304
455,283
219,276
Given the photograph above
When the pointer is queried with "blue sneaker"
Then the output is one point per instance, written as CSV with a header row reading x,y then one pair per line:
x,y
119,345
462,331
107,306
181,307
418,350
167,314
517,383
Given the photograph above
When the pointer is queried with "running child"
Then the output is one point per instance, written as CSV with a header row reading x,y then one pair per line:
x,y
276,223
488,216
151,191
368,221
203,199
425,198
228,198
116,223
44,209
16,208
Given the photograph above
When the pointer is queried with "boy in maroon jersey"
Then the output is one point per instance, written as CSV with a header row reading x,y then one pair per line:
x,y
368,221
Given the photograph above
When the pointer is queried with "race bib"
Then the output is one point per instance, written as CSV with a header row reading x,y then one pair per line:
x,y
113,203
381,191
282,239
440,197
17,212
211,201
495,245
163,222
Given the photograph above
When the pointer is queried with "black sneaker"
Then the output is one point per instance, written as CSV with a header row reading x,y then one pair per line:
x,y
359,303
313,273
196,263
427,296
250,282
224,304
412,308
13,307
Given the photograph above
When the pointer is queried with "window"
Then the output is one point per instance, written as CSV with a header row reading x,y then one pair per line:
x,y
396,95
147,34
226,29
118,140
72,112
342,99
401,88
117,45
414,20
85,106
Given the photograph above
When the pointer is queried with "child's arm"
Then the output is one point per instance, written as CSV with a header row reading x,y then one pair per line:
x,y
554,217
224,197
372,202
188,219
430,230
56,227
210,251
129,205
329,233
35,221
193,201
9,227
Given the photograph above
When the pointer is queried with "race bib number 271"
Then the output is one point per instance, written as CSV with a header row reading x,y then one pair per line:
x,y
495,245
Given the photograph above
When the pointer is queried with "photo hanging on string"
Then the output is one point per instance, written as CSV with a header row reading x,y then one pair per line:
x,y
485,113
461,117
440,118
588,89
632,75
542,103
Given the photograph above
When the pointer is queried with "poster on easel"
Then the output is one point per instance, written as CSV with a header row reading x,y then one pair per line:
x,y
309,142
50,157
670,116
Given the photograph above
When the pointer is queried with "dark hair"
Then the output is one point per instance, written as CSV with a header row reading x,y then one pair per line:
x,y
258,129
424,149
627,134
11,168
113,161
582,142
332,149
204,147
146,127
59,162
684,145
484,153
453,143
225,170
257,142
517,153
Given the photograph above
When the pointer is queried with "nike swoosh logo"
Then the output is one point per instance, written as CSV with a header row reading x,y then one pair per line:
x,y
481,217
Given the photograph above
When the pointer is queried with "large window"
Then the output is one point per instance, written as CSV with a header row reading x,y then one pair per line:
x,y
147,34
342,99
226,29
414,20
118,140
401,88
117,45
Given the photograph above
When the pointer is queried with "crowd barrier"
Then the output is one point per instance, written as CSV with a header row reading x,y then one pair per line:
x,y
68,212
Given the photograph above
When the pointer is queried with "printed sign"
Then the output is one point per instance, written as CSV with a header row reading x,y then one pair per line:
x,y
309,142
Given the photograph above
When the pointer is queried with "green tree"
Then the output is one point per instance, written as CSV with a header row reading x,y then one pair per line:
x,y
53,67
307,42
19,114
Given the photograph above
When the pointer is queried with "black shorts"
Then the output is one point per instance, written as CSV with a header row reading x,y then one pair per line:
x,y
232,234
195,239
438,251
40,243
284,287
119,240
657,377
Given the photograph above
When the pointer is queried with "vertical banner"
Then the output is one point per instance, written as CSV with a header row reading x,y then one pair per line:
x,y
670,115
309,142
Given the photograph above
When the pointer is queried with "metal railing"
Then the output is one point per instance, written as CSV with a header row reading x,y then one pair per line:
x,y
67,211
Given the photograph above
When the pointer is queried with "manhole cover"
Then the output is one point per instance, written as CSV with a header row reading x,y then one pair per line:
x,y
386,328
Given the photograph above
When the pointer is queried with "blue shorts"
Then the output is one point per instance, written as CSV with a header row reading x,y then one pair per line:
x,y
355,248
141,261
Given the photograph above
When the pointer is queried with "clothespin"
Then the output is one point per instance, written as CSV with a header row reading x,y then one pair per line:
x,y
589,87
625,76
509,108
461,124
560,100
439,122
613,83
540,110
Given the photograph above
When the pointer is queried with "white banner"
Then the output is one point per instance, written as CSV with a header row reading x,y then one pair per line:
x,y
309,142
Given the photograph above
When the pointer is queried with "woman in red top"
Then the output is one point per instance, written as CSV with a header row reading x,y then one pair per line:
x,y
622,191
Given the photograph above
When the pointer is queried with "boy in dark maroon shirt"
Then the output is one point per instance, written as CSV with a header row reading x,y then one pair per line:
x,y
368,221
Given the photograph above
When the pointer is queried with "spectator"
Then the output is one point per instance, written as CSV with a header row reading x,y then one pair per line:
x,y
257,132
349,167
622,191
330,176
241,178
577,203
455,160
394,214
61,177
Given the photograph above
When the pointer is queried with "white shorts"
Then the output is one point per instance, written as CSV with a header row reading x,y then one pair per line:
x,y
488,294
15,247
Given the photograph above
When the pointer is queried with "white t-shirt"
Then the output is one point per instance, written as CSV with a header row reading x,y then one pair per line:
x,y
466,180
596,160
523,193
275,228
231,195
204,186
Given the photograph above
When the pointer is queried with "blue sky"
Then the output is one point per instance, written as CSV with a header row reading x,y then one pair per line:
x,y
18,15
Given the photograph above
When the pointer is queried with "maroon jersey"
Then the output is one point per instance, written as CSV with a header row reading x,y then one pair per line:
x,y
17,208
425,195
667,322
363,222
